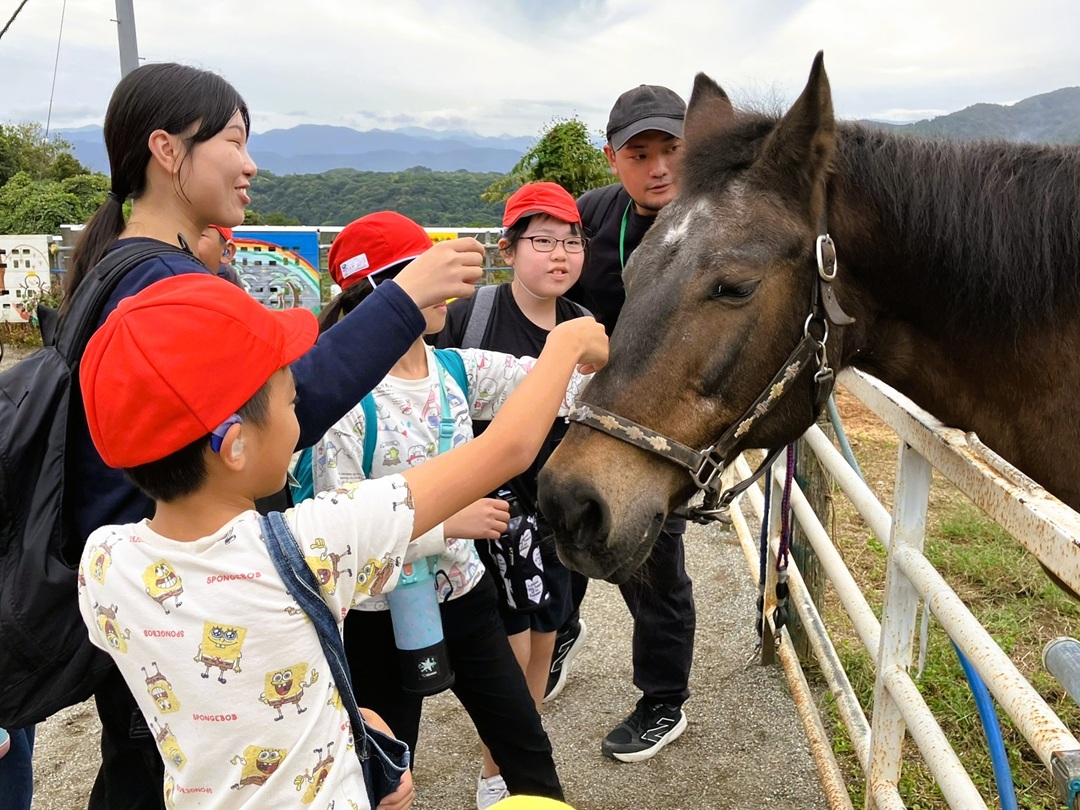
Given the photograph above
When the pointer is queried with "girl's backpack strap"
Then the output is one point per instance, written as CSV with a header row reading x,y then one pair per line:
x,y
483,302
453,364
302,484
371,432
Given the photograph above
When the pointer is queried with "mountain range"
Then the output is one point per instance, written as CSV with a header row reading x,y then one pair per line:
x,y
1052,117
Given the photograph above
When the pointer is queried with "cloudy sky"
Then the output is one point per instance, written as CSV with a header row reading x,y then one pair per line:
x,y
509,66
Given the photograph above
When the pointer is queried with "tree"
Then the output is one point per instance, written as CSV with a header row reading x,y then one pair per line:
x,y
42,206
23,148
564,154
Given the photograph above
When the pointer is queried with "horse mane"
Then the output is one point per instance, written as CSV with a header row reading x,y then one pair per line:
x,y
994,227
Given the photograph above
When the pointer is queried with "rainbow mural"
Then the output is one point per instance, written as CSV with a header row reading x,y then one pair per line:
x,y
276,275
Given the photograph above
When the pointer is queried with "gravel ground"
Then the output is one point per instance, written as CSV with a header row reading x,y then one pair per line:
x,y
744,748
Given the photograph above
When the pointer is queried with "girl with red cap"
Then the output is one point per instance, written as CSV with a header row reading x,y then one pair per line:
x,y
408,405
544,244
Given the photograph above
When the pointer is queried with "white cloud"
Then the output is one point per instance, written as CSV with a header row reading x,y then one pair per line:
x,y
509,66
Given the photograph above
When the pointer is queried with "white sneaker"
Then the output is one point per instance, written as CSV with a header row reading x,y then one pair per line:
x,y
490,790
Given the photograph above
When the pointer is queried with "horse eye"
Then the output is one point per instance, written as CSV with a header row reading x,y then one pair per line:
x,y
737,291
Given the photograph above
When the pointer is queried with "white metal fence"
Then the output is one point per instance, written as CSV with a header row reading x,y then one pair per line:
x,y
1044,525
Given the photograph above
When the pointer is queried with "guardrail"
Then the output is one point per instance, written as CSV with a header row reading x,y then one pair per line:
x,y
1040,522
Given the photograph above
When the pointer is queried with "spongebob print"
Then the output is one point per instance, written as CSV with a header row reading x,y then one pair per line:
x,y
325,566
115,637
163,583
372,578
101,560
315,778
166,741
287,686
220,648
161,691
257,764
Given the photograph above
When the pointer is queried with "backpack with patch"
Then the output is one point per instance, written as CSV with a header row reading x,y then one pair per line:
x,y
303,484
46,659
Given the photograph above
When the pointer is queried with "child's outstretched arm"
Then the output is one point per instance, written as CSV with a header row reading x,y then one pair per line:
x,y
447,483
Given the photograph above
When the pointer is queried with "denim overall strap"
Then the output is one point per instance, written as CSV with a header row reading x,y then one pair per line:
x,y
289,561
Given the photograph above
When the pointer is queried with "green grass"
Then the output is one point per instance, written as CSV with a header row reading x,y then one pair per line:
x,y
1007,591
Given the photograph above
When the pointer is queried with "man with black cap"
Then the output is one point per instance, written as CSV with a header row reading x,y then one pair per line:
x,y
644,148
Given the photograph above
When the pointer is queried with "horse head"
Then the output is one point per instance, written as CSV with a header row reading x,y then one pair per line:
x,y
718,294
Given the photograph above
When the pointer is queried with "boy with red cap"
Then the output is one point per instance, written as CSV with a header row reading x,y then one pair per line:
x,y
216,250
402,427
187,387
544,244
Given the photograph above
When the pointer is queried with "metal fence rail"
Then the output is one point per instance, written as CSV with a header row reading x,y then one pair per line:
x,y
1041,523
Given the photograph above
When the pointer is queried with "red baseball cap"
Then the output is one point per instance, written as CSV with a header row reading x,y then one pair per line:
x,y
373,243
226,233
541,198
174,361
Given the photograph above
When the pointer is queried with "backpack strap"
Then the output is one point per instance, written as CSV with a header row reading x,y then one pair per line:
x,y
371,432
303,484
483,302
453,364
80,318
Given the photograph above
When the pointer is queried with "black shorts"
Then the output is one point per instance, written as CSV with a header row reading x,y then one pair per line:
x,y
549,617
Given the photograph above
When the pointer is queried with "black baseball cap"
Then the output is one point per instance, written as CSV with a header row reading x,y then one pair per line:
x,y
647,106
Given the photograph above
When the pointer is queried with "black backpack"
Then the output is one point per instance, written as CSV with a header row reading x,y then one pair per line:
x,y
46,659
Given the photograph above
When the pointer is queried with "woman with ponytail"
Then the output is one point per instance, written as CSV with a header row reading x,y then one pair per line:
x,y
177,143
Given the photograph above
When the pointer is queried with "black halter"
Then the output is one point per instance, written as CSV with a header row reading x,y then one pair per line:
x,y
705,466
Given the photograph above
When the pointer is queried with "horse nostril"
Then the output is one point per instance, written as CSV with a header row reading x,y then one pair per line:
x,y
590,523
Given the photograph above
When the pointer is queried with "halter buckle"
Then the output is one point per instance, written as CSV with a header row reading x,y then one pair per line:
x,y
826,264
709,470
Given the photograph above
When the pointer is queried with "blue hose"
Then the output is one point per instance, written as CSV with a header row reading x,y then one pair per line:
x,y
1002,772
841,437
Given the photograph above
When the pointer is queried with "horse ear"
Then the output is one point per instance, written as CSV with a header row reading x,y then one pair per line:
x,y
709,109
802,146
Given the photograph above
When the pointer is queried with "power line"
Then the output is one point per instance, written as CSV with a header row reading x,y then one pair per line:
x,y
56,65
13,16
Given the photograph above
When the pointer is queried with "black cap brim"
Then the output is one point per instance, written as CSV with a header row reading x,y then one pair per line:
x,y
662,123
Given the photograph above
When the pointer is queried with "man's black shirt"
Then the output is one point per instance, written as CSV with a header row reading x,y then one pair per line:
x,y
600,288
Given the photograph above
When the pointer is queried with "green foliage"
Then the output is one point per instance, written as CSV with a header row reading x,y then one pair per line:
x,y
564,154
271,218
23,148
42,206
339,196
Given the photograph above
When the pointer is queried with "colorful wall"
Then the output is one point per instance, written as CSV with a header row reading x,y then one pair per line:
x,y
24,273
279,268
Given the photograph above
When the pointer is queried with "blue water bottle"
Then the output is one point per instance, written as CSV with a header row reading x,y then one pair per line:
x,y
418,633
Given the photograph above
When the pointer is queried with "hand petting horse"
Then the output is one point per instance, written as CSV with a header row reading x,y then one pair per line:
x,y
958,264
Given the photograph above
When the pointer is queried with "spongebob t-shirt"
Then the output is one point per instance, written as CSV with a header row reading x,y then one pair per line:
x,y
407,415
224,664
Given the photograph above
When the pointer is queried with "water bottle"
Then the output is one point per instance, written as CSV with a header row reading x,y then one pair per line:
x,y
418,633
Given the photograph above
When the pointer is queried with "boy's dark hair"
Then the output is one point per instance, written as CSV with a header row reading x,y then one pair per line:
x,y
160,96
349,299
183,472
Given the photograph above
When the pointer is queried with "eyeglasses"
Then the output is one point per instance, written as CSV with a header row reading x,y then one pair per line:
x,y
546,244
217,436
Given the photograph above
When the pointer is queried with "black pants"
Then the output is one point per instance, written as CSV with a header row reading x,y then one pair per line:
x,y
660,597
487,681
132,773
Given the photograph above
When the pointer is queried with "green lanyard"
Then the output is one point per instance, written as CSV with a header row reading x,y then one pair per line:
x,y
622,236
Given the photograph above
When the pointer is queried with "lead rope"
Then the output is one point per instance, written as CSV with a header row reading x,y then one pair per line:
x,y
782,613
763,560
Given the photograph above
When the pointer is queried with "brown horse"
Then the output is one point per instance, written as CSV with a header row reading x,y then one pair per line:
x,y
960,264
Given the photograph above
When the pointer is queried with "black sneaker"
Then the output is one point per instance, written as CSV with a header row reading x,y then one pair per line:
x,y
567,647
649,728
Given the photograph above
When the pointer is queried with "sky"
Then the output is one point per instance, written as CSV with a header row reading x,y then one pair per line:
x,y
511,66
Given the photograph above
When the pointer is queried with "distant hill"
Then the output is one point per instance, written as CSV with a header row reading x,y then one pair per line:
x,y
315,148
1047,118
340,196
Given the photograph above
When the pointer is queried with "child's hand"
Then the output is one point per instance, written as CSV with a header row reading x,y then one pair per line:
x,y
484,519
588,338
446,271
402,798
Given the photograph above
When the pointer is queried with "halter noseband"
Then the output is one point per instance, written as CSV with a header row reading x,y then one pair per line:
x,y
705,466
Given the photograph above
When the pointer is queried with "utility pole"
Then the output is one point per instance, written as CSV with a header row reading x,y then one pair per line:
x,y
125,29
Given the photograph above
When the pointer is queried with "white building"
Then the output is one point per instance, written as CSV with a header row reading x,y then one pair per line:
x,y
24,272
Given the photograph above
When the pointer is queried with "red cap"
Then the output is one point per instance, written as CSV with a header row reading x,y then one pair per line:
x,y
226,233
373,243
541,198
174,361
